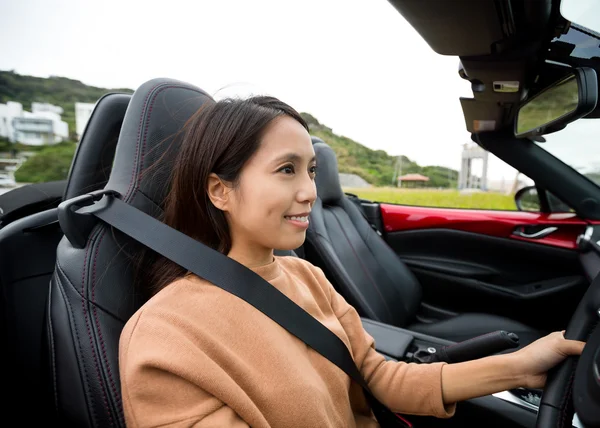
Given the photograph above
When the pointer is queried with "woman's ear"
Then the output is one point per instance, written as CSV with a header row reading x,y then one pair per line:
x,y
218,192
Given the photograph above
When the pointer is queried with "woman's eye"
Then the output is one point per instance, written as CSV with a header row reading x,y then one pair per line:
x,y
313,170
288,169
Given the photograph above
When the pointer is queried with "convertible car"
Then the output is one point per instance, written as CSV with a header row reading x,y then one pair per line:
x,y
422,278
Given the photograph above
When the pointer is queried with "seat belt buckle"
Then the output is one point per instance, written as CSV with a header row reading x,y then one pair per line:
x,y
77,223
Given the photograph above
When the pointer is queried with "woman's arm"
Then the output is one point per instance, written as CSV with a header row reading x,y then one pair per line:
x,y
435,388
475,378
526,367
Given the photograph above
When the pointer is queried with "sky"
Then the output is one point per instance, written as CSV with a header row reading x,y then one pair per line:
x,y
583,12
356,65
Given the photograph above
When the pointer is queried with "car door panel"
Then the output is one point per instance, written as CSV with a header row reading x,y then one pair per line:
x,y
472,260
503,224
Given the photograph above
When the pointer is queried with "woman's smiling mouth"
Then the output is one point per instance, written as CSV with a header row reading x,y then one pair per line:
x,y
298,220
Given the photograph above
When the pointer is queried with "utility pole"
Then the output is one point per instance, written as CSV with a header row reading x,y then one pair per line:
x,y
400,169
397,170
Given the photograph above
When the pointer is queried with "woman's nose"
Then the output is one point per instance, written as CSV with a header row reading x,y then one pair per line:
x,y
308,191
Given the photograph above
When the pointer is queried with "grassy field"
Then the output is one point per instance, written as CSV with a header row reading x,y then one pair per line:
x,y
437,198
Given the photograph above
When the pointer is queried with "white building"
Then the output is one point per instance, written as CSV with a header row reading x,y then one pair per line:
x,y
83,111
45,107
42,125
9,111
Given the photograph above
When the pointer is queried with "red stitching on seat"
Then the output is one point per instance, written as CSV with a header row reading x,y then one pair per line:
x,y
131,188
98,371
89,331
93,300
137,144
146,114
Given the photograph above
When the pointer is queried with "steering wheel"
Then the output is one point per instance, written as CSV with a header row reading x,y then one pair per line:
x,y
556,408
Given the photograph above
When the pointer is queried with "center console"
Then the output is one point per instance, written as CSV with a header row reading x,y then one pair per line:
x,y
517,407
400,344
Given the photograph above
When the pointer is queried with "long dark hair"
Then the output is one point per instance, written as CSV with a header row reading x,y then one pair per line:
x,y
219,139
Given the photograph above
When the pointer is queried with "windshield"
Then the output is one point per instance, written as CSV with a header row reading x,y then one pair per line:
x,y
577,146
582,12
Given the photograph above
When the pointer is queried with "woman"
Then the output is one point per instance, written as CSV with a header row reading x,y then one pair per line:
x,y
196,355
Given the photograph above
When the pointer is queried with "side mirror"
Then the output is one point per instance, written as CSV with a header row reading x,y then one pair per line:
x,y
527,199
561,103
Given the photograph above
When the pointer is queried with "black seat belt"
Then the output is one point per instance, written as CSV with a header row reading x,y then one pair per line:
x,y
229,275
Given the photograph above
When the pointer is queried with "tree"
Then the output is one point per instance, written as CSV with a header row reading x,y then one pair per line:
x,y
51,163
5,145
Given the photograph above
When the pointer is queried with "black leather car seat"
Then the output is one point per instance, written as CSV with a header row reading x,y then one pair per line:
x,y
95,152
92,293
369,274
28,254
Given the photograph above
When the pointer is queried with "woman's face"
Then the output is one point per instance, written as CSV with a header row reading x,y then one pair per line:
x,y
269,207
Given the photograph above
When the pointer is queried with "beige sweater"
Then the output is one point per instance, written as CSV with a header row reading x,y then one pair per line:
x,y
195,355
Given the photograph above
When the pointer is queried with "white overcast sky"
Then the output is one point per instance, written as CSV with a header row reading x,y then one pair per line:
x,y
355,65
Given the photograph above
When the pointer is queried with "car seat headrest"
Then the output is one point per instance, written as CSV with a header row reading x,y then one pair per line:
x,y
152,131
327,180
316,139
92,162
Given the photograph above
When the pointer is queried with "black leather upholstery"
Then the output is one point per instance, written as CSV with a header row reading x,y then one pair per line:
x,y
27,248
369,274
95,152
91,293
28,242
327,179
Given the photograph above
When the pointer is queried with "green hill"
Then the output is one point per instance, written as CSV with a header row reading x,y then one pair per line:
x,y
375,166
59,91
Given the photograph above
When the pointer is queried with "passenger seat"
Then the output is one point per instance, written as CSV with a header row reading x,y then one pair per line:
x,y
369,274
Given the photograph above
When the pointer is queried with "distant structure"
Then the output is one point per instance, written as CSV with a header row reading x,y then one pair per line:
x,y
42,125
352,181
412,180
83,111
46,107
466,179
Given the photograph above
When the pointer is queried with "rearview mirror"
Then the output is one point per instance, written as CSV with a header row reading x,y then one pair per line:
x,y
559,104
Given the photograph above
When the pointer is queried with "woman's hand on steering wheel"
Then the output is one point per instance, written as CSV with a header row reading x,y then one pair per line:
x,y
534,360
